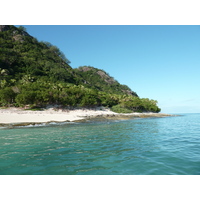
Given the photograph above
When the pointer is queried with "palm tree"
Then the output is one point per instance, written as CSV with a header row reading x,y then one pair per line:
x,y
3,72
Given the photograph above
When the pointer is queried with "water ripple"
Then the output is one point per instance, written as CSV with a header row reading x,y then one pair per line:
x,y
138,146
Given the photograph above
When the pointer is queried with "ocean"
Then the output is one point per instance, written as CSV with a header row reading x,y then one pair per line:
x,y
142,146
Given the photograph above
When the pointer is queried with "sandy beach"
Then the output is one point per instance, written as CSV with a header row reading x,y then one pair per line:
x,y
19,115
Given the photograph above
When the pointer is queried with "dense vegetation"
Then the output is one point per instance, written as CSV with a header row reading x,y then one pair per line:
x,y
38,74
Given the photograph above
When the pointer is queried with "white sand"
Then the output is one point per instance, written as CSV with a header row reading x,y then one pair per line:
x,y
17,115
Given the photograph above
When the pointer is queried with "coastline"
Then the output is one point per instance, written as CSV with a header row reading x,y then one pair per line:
x,y
21,117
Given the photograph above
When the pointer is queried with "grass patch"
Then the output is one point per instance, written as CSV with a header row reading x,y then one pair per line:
x,y
35,108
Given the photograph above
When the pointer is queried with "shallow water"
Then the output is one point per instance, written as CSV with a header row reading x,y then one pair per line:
x,y
169,145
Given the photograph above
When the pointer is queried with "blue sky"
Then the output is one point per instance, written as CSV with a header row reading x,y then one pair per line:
x,y
157,62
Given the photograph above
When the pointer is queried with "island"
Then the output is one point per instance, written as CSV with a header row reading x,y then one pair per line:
x,y
37,85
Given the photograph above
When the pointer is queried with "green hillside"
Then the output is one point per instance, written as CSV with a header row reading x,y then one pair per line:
x,y
100,80
38,74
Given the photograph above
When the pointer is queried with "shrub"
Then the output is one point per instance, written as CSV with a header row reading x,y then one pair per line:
x,y
7,96
119,109
26,97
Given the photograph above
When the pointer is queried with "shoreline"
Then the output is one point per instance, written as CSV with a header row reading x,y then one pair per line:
x,y
20,117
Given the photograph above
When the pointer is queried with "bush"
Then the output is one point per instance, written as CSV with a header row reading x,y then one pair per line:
x,y
26,97
119,109
7,96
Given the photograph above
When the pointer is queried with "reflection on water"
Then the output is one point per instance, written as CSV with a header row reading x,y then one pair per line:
x,y
138,146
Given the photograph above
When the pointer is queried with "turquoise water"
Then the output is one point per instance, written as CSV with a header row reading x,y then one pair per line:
x,y
160,146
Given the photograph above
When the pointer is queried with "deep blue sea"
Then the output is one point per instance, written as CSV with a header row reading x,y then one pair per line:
x,y
144,146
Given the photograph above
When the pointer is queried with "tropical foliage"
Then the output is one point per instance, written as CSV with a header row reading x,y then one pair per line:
x,y
38,74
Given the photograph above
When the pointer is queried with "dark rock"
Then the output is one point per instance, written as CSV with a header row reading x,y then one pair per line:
x,y
4,28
